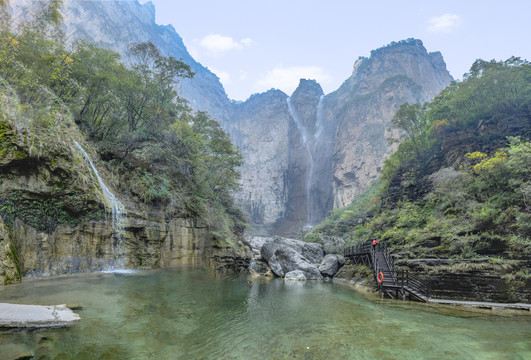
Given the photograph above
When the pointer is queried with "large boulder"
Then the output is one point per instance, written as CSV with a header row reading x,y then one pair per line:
x,y
286,255
296,275
331,264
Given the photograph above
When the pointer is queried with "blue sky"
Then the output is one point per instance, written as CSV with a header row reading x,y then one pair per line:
x,y
257,45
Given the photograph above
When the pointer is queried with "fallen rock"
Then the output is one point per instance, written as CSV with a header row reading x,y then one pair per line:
x,y
285,255
296,275
36,316
331,264
260,267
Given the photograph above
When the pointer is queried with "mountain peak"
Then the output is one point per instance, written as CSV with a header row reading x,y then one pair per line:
x,y
310,88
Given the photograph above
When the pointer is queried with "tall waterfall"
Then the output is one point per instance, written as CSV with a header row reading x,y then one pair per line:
x,y
308,146
311,138
319,123
112,204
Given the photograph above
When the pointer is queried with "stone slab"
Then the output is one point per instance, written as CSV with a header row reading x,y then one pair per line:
x,y
36,316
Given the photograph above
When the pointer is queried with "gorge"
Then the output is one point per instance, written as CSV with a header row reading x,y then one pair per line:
x,y
304,154
303,158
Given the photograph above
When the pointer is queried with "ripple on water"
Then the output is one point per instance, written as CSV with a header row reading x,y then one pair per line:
x,y
187,313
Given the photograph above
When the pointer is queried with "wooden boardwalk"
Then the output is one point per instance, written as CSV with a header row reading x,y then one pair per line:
x,y
403,284
482,305
391,282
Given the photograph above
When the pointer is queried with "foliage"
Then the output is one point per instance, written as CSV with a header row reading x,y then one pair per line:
x,y
47,214
455,198
164,154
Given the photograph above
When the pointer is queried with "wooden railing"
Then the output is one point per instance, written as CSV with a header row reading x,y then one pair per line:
x,y
406,281
362,248
409,281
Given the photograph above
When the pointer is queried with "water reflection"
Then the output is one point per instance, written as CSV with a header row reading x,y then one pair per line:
x,y
187,313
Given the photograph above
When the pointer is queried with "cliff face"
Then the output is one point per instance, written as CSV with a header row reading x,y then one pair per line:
x,y
115,25
303,156
365,104
260,127
55,218
327,149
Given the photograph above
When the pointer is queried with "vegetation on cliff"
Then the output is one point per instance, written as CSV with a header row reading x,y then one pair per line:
x,y
459,185
158,151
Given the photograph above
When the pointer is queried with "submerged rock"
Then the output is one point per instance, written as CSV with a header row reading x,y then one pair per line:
x,y
331,264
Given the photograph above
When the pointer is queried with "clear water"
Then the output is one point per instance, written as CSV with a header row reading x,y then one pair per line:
x,y
187,313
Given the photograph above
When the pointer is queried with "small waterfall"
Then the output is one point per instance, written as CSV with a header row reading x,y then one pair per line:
x,y
117,209
308,146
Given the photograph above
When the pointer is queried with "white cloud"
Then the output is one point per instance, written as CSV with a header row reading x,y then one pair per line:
x,y
216,44
444,23
287,78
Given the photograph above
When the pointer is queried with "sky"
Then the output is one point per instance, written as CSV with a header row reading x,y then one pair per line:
x,y
256,45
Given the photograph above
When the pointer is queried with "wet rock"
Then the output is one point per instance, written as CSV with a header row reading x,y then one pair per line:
x,y
74,306
331,264
15,352
36,316
9,273
260,267
296,275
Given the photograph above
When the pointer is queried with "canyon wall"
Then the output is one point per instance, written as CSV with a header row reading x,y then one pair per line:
x,y
304,154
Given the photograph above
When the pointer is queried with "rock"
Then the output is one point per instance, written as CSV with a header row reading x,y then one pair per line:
x,y
15,352
332,244
313,252
36,316
258,241
331,264
285,255
74,306
276,166
9,271
295,275
260,267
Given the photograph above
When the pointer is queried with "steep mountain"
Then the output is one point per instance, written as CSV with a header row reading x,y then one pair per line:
x,y
309,153
452,202
303,155
365,104
116,24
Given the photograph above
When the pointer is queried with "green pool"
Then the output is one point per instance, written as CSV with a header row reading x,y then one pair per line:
x,y
187,313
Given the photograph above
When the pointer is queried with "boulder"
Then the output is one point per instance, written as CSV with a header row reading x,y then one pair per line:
x,y
297,275
286,255
331,264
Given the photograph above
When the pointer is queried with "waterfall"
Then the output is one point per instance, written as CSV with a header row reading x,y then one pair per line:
x,y
319,123
307,145
111,203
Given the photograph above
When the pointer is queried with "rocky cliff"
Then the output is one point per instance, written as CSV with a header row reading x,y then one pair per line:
x,y
305,154
365,104
313,152
115,25
55,213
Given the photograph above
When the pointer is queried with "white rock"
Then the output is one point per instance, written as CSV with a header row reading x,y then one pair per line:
x,y
36,316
